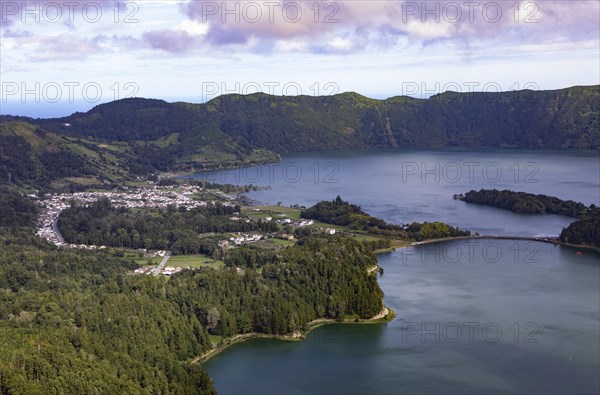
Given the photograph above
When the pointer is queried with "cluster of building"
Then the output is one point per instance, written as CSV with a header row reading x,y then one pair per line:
x,y
47,227
245,238
150,270
169,270
293,222
145,270
148,197
151,197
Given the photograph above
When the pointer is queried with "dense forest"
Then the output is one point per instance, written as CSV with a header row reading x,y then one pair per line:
x,y
583,231
179,230
565,118
74,321
528,203
16,211
339,212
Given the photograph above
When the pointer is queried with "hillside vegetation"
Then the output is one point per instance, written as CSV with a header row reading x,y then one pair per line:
x,y
139,136
34,156
566,118
339,212
76,321
30,155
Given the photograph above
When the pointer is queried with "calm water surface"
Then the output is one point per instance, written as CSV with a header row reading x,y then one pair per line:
x,y
406,186
481,325
478,316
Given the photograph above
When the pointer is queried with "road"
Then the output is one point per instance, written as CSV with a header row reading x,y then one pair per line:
x,y
56,231
551,240
162,263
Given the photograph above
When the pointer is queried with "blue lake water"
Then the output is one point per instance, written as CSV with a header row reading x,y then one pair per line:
x,y
476,316
405,186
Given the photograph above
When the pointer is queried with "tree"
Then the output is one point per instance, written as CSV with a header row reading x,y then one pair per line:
x,y
212,317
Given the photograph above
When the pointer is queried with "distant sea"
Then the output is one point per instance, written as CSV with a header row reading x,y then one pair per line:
x,y
45,109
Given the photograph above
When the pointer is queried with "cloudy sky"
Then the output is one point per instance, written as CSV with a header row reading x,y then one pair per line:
x,y
60,56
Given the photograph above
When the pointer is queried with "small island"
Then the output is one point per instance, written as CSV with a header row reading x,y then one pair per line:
x,y
583,232
527,203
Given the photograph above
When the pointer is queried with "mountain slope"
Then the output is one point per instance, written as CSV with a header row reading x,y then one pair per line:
x,y
33,156
127,120
206,147
139,136
565,118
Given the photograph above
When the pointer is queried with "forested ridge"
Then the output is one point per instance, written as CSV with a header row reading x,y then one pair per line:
x,y
563,118
75,321
136,137
31,156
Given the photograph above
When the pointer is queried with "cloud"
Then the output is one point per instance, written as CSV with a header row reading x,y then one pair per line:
x,y
187,36
66,47
174,41
8,33
358,25
54,11
307,26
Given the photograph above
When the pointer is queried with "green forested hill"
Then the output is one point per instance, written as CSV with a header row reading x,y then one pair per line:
x,y
77,322
585,231
565,118
33,156
138,136
127,120
528,203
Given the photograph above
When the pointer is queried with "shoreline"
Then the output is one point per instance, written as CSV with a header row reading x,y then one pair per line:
x,y
384,316
186,174
548,240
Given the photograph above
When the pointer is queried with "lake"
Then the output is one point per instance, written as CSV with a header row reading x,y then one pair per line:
x,y
473,316
406,186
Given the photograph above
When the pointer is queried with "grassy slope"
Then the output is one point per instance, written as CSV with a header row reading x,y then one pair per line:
x,y
194,261
34,143
204,147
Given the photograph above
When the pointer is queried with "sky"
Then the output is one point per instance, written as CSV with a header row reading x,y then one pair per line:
x,y
59,56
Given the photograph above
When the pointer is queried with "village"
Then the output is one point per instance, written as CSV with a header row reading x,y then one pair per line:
x,y
142,197
146,197
160,197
